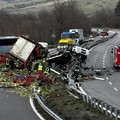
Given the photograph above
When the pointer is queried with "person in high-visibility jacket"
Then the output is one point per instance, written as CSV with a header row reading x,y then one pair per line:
x,y
40,70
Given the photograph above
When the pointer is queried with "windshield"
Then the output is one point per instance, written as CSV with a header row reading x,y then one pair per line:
x,y
72,36
62,44
64,36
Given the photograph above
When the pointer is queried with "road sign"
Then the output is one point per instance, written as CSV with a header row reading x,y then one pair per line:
x,y
53,35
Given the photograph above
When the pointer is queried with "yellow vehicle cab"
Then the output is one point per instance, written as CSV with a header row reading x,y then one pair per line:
x,y
65,43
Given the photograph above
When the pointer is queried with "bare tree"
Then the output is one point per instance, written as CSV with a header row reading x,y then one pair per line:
x,y
67,15
103,18
41,27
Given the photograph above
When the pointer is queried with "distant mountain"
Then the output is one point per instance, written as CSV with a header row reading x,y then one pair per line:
x,y
23,6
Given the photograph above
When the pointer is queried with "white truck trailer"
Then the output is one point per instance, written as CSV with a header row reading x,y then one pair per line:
x,y
78,35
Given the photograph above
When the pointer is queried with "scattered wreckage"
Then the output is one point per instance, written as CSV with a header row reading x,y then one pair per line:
x,y
28,53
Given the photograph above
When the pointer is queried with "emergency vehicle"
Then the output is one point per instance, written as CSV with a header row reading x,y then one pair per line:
x,y
116,53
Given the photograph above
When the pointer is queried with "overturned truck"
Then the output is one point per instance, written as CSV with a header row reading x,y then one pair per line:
x,y
27,51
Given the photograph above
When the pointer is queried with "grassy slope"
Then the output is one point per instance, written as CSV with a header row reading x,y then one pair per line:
x,y
88,6
95,5
70,108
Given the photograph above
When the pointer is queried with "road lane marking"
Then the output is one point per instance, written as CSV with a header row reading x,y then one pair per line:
x,y
110,83
116,89
104,58
107,78
99,78
103,63
103,66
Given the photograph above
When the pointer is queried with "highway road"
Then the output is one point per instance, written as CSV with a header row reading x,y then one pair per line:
x,y
15,107
107,88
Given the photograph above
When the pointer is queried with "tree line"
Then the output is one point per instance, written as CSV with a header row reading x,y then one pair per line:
x,y
107,17
41,25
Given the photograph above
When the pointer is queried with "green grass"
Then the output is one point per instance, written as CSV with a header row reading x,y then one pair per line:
x,y
70,108
36,5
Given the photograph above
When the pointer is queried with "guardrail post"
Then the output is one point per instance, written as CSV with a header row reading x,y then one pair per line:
x,y
83,97
111,111
94,102
98,103
116,114
91,101
88,99
102,104
106,108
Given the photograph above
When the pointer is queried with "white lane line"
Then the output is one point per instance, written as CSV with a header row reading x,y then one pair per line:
x,y
110,83
116,89
103,66
99,78
107,78
104,57
34,109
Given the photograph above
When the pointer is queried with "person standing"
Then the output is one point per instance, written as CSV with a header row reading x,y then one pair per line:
x,y
40,70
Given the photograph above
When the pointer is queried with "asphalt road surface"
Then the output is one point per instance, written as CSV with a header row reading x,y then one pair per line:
x,y
15,107
107,88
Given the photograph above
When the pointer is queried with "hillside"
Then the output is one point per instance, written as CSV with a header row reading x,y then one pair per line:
x,y
23,6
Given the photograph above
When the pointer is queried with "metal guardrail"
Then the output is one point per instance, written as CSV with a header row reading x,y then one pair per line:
x,y
89,45
51,113
96,103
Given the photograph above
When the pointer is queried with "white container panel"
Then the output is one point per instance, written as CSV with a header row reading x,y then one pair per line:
x,y
22,49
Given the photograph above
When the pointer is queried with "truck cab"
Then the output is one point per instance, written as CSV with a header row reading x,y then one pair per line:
x,y
68,39
73,34
65,44
78,35
66,35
